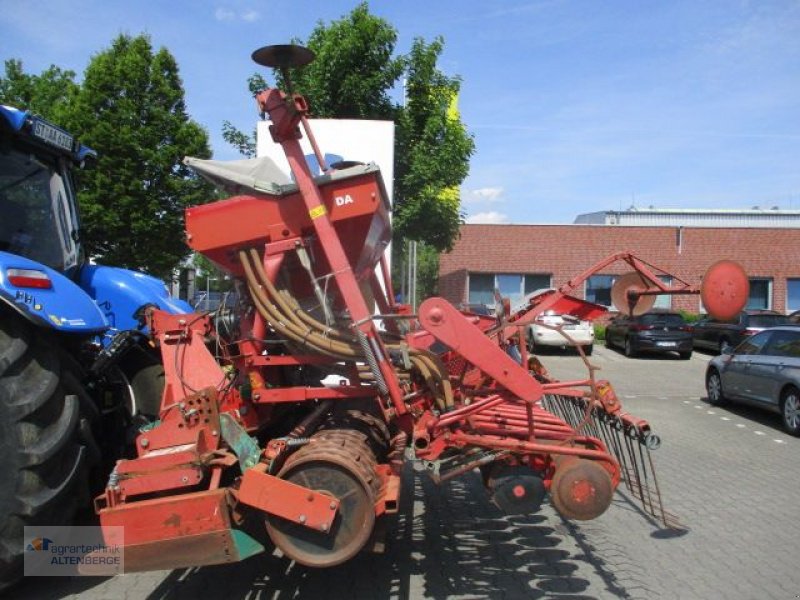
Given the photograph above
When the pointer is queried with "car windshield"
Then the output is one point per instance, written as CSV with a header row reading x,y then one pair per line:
x,y
666,320
33,223
766,320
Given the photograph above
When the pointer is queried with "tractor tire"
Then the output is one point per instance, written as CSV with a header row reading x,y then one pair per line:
x,y
144,376
44,464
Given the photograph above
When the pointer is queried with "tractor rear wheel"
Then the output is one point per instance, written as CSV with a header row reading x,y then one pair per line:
x,y
44,465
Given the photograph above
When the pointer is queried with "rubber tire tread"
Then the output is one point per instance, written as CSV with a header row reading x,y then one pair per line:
x,y
42,458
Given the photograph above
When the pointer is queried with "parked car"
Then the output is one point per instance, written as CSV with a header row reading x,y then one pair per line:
x,y
764,370
478,309
656,331
540,333
714,335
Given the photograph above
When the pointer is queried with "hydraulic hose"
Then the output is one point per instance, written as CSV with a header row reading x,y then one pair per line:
x,y
284,325
286,309
288,318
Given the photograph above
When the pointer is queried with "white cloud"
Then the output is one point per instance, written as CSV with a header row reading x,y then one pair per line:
x,y
224,14
491,217
487,194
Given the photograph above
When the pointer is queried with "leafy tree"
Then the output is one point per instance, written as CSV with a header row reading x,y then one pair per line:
x,y
48,94
245,144
432,152
352,76
427,271
354,69
209,276
131,109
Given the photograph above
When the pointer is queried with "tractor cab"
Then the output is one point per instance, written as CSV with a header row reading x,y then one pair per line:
x,y
37,197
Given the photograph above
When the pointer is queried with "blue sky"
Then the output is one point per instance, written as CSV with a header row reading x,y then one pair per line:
x,y
575,106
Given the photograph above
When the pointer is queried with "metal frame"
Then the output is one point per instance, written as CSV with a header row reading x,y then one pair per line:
x,y
233,411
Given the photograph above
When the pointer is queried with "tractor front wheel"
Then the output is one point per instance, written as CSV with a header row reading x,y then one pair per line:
x,y
44,464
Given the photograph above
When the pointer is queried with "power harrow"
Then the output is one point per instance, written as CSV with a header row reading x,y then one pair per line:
x,y
289,418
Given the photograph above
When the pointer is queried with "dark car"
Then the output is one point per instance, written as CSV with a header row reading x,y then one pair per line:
x,y
478,309
655,331
714,335
764,370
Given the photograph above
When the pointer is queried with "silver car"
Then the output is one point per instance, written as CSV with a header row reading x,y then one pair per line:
x,y
764,370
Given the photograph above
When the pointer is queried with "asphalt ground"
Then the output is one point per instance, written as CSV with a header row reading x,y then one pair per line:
x,y
725,472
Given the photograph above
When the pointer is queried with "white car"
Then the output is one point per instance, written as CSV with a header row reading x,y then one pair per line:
x,y
581,332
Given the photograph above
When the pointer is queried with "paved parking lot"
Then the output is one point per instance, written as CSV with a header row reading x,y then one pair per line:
x,y
727,473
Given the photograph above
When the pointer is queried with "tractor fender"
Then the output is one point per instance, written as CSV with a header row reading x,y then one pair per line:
x,y
121,293
63,306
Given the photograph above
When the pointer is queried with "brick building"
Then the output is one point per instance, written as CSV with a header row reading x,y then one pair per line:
x,y
517,259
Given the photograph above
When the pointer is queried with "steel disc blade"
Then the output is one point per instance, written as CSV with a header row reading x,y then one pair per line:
x,y
725,290
280,56
619,294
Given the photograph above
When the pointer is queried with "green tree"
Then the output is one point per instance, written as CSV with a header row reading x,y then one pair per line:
x,y
353,75
432,152
245,144
48,94
427,271
354,70
130,108
209,276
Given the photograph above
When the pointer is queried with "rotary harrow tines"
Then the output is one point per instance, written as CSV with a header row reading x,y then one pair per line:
x,y
628,442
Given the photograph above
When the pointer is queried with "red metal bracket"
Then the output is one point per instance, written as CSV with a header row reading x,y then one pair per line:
x,y
186,530
451,327
287,500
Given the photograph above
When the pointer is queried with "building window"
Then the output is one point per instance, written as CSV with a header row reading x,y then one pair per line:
x,y
514,286
481,289
539,281
664,300
598,289
792,294
760,293
510,286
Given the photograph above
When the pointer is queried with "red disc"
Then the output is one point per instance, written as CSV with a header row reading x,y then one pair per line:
x,y
725,290
624,303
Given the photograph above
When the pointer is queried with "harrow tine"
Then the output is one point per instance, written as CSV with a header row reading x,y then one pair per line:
x,y
645,469
658,493
631,451
605,434
669,520
642,472
629,444
619,453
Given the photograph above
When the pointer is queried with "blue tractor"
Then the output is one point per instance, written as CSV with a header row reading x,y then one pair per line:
x,y
76,373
